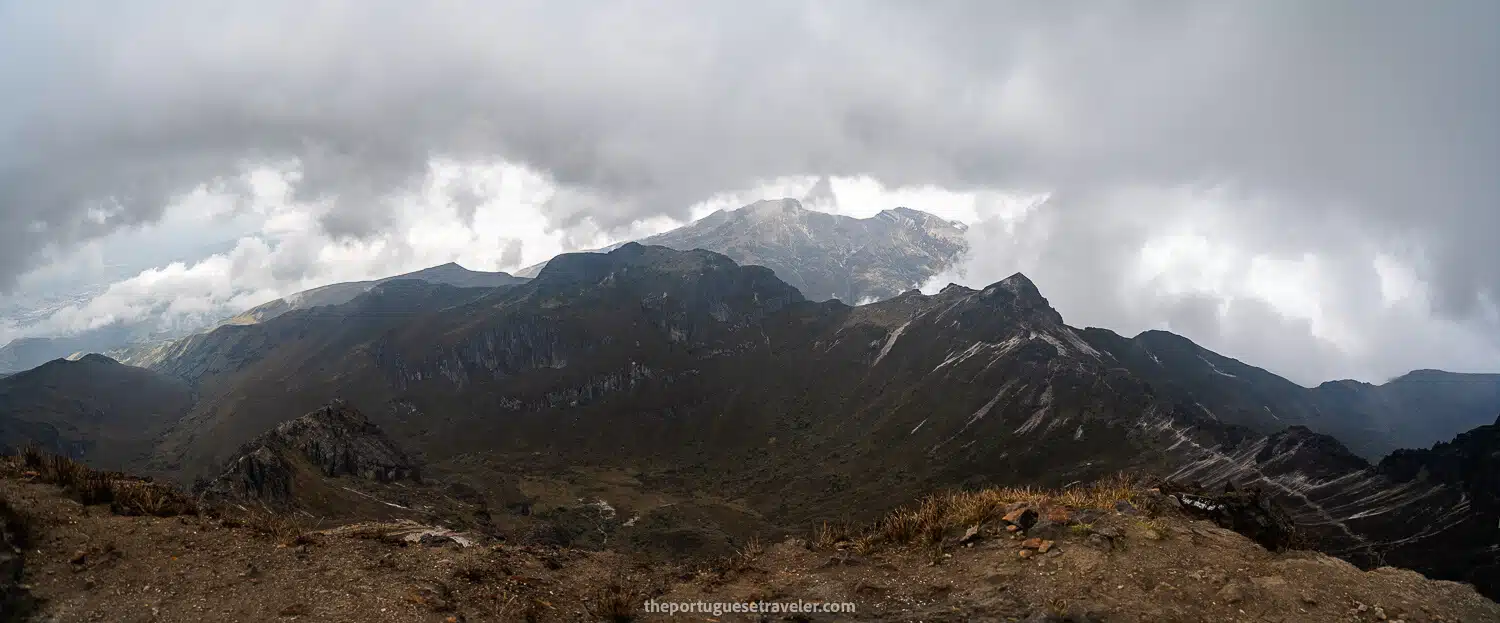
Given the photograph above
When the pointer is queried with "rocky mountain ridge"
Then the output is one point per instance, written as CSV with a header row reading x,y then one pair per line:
x,y
645,358
678,373
333,441
825,256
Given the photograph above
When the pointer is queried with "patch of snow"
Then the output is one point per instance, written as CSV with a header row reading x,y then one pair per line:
x,y
1078,434
952,359
1078,343
919,426
603,506
361,493
1215,368
1048,338
889,342
1041,414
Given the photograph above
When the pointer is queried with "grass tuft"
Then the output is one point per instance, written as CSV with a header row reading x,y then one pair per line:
x,y
617,600
126,495
934,517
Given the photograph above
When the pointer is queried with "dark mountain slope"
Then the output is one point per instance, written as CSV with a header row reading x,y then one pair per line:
x,y
95,409
29,352
1468,468
339,293
1419,408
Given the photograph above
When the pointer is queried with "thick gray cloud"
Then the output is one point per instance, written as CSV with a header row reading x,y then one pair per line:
x,y
1346,124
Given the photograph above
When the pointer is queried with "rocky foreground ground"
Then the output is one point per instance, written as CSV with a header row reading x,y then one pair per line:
x,y
1042,560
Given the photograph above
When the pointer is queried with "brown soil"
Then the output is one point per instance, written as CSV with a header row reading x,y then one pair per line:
x,y
85,563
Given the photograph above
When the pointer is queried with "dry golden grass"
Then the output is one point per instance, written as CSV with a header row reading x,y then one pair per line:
x,y
124,494
617,600
931,518
830,534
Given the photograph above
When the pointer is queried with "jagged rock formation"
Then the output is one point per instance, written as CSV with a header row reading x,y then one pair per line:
x,y
336,440
825,256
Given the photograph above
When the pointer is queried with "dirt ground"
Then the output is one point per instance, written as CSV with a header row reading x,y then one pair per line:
x,y
86,564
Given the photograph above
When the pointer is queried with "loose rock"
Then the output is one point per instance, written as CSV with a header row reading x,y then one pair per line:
x,y
1022,518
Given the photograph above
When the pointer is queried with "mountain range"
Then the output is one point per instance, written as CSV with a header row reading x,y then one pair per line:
x,y
697,391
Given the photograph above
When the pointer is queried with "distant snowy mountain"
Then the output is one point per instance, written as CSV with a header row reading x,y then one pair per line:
x,y
825,256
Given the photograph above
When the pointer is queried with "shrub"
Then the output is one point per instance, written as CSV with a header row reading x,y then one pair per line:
x,y
617,600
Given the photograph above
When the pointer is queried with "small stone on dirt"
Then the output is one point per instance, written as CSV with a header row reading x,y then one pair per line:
x,y
1022,517
971,535
1025,553
1232,593
1012,528
1100,541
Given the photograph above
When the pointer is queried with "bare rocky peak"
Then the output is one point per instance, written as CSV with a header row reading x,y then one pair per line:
x,y
826,256
335,440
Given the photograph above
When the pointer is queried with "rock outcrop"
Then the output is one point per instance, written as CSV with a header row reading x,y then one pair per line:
x,y
334,441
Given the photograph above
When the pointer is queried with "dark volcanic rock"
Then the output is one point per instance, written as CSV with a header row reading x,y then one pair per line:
x,y
1250,512
336,440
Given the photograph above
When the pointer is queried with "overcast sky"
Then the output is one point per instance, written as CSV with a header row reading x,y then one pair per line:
x,y
1313,187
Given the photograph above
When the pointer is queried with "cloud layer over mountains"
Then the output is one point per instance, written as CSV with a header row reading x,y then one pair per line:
x,y
1310,183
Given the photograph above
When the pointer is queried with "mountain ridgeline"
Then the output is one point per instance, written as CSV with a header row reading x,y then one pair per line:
x,y
696,374
825,256
698,390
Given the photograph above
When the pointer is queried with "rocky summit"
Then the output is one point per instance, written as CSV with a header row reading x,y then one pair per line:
x,y
336,440
676,407
825,256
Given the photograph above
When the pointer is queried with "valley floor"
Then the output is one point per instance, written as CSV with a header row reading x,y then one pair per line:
x,y
84,563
